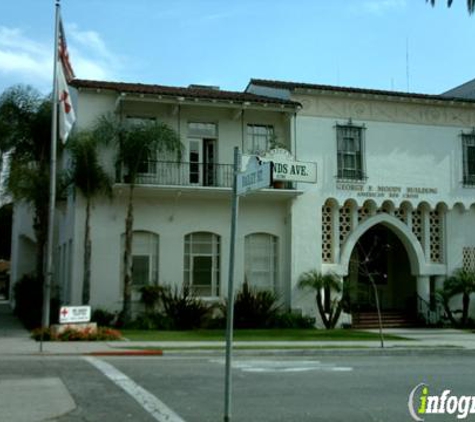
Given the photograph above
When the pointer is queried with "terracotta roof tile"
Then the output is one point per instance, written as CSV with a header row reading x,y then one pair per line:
x,y
200,93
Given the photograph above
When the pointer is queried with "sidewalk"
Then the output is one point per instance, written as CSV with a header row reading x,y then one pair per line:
x,y
15,340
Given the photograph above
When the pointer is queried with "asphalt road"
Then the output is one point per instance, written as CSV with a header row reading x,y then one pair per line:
x,y
325,388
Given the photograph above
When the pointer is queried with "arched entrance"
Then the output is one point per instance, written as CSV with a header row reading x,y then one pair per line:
x,y
380,256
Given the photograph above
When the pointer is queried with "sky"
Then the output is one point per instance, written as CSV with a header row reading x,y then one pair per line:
x,y
403,45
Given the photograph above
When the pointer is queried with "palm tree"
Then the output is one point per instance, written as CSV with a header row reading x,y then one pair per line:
x,y
461,282
136,143
25,133
327,283
470,4
91,179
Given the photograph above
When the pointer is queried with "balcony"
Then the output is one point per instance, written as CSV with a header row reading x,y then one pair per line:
x,y
192,175
172,173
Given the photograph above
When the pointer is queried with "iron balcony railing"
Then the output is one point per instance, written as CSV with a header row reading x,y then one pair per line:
x,y
172,173
351,175
469,180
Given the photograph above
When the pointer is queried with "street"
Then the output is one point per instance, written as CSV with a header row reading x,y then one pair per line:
x,y
345,387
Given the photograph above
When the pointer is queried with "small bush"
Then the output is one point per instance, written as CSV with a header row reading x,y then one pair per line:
x,y
70,334
292,320
184,310
104,318
28,292
254,308
151,321
150,297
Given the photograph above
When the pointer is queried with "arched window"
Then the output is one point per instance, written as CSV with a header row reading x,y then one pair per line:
x,y
261,261
202,263
144,258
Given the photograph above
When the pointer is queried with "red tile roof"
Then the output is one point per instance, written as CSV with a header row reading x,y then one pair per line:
x,y
299,85
170,91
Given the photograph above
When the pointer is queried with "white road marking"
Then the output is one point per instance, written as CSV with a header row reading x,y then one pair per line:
x,y
283,366
159,410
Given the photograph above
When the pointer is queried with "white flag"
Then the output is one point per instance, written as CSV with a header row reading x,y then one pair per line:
x,y
65,75
66,111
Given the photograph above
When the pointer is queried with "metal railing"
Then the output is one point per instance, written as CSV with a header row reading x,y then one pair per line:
x,y
468,180
429,313
172,173
351,176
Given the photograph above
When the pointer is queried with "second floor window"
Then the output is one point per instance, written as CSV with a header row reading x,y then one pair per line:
x,y
350,152
468,143
259,139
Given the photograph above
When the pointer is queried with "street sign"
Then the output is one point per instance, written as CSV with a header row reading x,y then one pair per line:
x,y
286,168
258,175
71,314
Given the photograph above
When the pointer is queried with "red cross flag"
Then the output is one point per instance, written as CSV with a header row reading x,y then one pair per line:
x,y
65,74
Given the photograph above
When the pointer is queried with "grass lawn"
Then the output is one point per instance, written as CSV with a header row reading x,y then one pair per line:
x,y
255,335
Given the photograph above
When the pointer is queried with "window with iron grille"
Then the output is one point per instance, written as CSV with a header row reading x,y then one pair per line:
x,y
144,258
202,263
259,138
350,152
261,261
468,143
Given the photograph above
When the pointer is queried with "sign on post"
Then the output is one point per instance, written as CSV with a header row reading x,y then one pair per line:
x,y
73,314
258,175
286,168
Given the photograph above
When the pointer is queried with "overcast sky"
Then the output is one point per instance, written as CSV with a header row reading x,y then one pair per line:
x,y
382,44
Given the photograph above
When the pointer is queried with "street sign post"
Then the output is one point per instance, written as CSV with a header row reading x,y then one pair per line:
x,y
257,175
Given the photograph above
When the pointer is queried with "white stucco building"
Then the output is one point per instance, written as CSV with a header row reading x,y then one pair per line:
x,y
395,185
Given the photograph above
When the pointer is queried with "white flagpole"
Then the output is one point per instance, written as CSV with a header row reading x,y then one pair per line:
x,y
48,274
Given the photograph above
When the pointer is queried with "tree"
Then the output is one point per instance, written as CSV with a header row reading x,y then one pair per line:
x,y
91,179
25,133
136,144
327,283
461,282
470,4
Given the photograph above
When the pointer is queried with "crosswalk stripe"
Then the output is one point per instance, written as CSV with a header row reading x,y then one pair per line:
x,y
159,410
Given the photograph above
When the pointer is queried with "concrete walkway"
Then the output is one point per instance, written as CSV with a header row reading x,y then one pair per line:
x,y
15,340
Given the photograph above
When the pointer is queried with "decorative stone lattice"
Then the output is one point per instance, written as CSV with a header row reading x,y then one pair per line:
x,y
468,258
417,226
345,223
327,233
401,214
384,209
363,213
435,233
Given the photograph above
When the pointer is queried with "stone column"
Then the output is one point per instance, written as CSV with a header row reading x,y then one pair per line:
x,y
426,233
336,233
423,288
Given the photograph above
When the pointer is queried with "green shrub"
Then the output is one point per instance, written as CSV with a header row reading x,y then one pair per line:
x,y
184,310
151,321
292,320
254,308
104,318
28,293
150,297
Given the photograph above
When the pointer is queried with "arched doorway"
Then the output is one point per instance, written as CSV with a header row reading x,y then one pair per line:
x,y
380,256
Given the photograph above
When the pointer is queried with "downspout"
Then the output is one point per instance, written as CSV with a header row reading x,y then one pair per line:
x,y
242,129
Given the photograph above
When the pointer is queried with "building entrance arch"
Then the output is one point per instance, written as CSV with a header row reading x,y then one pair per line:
x,y
383,251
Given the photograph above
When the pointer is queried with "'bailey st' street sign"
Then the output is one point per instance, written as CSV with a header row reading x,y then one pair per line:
x,y
257,175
